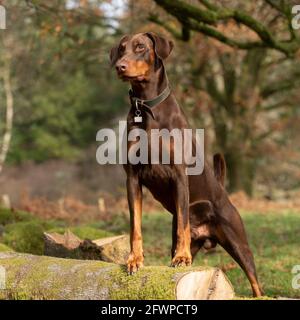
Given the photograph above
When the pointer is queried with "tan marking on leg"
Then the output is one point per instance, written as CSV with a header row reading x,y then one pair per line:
x,y
136,257
183,249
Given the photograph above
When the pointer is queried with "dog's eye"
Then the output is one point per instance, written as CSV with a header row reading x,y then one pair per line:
x,y
140,47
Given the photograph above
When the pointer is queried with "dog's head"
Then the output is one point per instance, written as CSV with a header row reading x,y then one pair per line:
x,y
137,55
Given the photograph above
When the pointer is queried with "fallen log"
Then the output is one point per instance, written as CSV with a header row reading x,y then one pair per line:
x,y
40,277
111,249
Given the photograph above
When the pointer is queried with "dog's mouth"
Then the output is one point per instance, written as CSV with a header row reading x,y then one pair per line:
x,y
136,78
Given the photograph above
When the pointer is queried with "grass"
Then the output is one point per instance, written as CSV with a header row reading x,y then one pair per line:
x,y
274,238
84,232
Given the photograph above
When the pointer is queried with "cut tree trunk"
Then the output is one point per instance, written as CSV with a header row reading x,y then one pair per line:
x,y
111,249
40,277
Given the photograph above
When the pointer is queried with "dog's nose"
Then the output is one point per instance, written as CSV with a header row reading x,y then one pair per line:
x,y
121,67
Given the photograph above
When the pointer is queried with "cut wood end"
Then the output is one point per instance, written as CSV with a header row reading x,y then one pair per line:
x,y
68,240
111,249
54,237
211,284
104,241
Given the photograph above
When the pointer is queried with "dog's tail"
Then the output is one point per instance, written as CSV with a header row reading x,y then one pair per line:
x,y
220,168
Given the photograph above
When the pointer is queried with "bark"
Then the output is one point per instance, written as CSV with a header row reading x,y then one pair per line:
x,y
40,277
241,172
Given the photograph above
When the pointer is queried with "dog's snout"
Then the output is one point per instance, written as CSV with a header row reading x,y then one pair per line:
x,y
121,66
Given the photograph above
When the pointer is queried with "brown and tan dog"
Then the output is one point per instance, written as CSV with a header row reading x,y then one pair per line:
x,y
202,212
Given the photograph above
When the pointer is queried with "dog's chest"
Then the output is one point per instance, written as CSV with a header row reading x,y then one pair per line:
x,y
157,167
155,173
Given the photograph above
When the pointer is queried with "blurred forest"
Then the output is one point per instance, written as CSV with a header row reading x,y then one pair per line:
x,y
235,70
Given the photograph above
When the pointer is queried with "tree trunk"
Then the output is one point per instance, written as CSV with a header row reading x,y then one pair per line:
x,y
9,114
241,172
39,277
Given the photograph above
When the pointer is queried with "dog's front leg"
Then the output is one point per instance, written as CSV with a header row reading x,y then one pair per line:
x,y
182,255
134,195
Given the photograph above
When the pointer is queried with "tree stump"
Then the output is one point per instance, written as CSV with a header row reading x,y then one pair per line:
x,y
111,249
40,277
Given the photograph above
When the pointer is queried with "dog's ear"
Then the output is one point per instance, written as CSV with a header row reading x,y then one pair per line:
x,y
115,52
162,46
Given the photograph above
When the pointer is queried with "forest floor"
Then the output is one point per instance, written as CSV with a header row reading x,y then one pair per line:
x,y
273,236
274,239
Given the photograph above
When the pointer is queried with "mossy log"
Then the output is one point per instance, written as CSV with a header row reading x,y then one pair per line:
x,y
110,249
40,277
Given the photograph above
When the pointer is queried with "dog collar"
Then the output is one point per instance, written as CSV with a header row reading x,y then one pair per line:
x,y
148,104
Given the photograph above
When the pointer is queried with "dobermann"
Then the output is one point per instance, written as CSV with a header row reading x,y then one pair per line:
x,y
202,212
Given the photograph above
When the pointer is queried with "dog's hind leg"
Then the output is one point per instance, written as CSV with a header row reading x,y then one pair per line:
x,y
232,237
196,245
201,222
174,235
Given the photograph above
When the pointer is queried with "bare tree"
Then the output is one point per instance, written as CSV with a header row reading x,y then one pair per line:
x,y
6,79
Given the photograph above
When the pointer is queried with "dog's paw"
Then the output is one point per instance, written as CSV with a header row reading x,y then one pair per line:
x,y
134,263
181,260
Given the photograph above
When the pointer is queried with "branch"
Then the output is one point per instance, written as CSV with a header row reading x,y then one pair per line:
x,y
286,11
213,33
282,86
274,5
278,105
176,34
202,19
209,5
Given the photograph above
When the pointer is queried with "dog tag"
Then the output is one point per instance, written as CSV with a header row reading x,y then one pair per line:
x,y
138,118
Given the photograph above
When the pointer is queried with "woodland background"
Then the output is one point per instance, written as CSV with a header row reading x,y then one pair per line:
x,y
55,67
235,70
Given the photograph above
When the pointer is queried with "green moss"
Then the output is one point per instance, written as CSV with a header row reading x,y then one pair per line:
x,y
144,284
8,216
24,232
39,277
26,236
4,248
85,232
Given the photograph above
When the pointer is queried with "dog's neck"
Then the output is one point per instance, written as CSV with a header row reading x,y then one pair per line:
x,y
152,87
